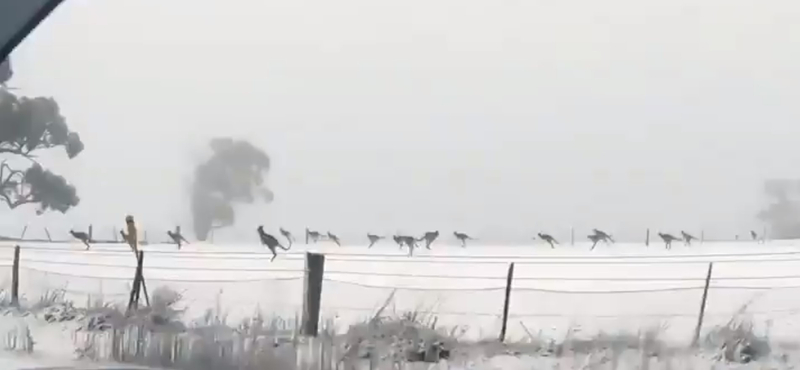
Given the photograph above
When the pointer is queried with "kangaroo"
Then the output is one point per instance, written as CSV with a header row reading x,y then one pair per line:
x,y
334,238
595,239
549,239
286,234
668,239
132,236
687,238
462,238
312,235
82,236
397,239
270,241
754,235
429,238
374,239
176,237
410,241
603,236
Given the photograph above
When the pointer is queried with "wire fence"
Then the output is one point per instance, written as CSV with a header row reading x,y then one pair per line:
x,y
550,296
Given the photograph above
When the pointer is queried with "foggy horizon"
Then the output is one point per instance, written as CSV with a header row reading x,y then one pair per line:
x,y
498,119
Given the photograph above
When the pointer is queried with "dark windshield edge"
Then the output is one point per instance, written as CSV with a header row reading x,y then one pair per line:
x,y
27,27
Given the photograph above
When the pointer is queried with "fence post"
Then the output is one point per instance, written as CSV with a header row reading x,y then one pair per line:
x,y
647,238
702,236
572,236
700,317
507,302
15,279
310,349
138,282
24,230
140,268
90,233
312,293
48,234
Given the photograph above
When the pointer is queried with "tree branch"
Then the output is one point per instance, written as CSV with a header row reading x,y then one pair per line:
x,y
20,201
8,187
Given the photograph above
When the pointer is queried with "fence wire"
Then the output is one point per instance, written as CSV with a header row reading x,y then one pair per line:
x,y
232,300
549,298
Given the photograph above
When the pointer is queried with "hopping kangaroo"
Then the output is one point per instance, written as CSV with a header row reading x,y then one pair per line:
x,y
374,239
410,241
406,240
599,236
595,239
754,235
312,235
334,239
399,240
549,239
462,238
687,238
668,239
176,236
286,234
603,236
270,241
429,238
82,236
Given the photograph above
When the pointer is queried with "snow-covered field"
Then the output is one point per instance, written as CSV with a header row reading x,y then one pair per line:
x,y
622,287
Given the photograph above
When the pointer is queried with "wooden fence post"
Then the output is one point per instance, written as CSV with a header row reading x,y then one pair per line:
x,y
138,284
647,238
312,293
507,302
310,348
696,338
572,236
15,279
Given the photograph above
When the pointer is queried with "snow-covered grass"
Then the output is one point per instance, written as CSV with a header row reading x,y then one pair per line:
x,y
453,292
156,336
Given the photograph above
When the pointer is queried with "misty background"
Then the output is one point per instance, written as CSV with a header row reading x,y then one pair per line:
x,y
496,118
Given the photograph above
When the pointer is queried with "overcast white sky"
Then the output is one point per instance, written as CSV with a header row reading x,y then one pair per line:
x,y
499,118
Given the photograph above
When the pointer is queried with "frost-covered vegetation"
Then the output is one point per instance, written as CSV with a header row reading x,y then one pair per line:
x,y
160,335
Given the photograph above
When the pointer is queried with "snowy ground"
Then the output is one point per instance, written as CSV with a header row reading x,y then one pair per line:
x,y
569,289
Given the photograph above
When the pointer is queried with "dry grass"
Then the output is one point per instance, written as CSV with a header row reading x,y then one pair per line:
x,y
737,341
